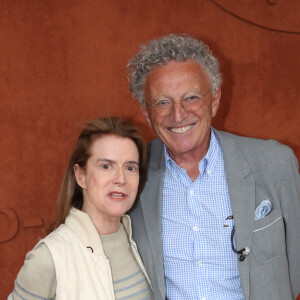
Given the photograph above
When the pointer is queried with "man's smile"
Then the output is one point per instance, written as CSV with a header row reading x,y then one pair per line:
x,y
181,129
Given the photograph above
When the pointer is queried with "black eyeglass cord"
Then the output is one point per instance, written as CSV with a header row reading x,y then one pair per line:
x,y
243,252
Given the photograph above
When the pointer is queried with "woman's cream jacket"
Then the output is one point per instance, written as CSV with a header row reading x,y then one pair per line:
x,y
82,269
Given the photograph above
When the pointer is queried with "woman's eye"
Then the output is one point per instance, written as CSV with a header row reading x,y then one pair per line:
x,y
106,166
132,168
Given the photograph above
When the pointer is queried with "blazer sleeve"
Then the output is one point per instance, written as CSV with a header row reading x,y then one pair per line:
x,y
290,202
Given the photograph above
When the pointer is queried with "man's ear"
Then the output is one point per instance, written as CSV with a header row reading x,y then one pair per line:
x,y
145,113
216,102
80,176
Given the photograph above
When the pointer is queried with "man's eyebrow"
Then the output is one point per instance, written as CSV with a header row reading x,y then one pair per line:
x,y
189,91
159,97
193,90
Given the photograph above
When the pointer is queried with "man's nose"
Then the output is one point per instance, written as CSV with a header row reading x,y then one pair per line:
x,y
179,112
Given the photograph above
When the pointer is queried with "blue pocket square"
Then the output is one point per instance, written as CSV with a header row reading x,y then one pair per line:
x,y
263,209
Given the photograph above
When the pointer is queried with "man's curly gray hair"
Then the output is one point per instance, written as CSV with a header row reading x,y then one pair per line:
x,y
160,52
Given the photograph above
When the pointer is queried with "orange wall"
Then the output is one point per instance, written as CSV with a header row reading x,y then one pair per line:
x,y
63,62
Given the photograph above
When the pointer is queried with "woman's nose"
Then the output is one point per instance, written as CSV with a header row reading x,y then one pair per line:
x,y
120,177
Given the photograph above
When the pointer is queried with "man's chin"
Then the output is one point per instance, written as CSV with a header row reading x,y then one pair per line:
x,y
179,149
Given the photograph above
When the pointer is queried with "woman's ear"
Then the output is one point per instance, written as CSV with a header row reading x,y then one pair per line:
x,y
80,176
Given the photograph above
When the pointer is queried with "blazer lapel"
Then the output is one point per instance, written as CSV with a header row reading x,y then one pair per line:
x,y
241,187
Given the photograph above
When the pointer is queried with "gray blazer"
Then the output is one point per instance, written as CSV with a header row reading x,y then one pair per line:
x,y
256,170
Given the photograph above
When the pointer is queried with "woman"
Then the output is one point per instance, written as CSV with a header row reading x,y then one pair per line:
x,y
89,253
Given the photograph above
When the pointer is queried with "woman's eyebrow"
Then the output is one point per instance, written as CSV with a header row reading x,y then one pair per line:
x,y
113,161
105,159
133,162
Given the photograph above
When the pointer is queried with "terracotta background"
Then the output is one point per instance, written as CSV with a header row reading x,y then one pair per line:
x,y
63,62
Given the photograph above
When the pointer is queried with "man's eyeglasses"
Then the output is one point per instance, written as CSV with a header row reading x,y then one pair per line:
x,y
166,105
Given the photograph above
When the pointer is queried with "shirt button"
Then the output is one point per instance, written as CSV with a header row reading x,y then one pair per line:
x,y
195,228
191,192
199,264
209,172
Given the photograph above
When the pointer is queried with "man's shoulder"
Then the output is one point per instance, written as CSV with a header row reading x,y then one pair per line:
x,y
250,143
255,148
155,150
156,143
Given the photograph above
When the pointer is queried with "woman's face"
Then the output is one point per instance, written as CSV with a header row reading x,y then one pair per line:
x,y
110,179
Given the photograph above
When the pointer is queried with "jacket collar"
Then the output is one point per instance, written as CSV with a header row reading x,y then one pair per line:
x,y
83,227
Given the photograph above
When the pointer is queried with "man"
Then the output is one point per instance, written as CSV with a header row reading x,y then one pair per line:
x,y
219,217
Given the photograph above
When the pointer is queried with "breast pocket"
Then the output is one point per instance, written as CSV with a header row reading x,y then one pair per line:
x,y
268,237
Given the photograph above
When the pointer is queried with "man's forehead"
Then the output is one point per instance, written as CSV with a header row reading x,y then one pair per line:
x,y
188,73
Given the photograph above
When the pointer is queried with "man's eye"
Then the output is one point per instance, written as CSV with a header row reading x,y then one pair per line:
x,y
191,99
163,103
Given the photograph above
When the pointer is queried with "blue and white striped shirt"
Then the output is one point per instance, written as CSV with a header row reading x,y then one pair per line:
x,y
198,260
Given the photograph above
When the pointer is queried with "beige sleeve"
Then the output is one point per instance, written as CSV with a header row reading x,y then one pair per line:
x,y
37,278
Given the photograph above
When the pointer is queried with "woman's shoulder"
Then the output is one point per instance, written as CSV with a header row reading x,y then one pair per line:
x,y
37,278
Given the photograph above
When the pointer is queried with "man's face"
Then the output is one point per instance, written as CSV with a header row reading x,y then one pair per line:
x,y
184,130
